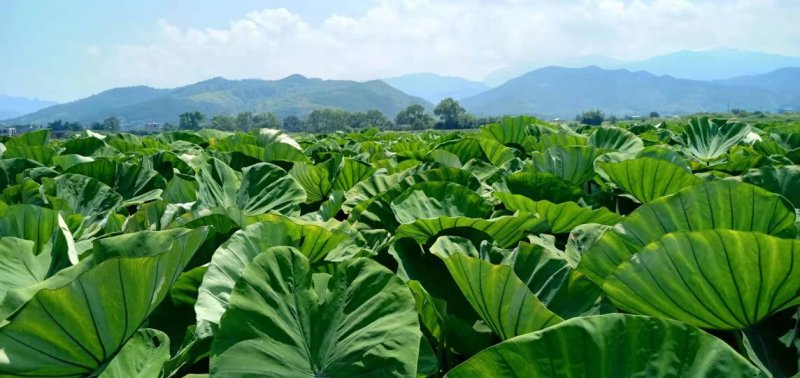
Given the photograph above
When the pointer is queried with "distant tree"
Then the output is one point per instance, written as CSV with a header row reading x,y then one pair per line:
x,y
414,117
449,111
591,117
654,115
266,121
292,123
372,118
59,125
97,126
328,120
111,124
168,127
223,122
244,121
191,120
612,119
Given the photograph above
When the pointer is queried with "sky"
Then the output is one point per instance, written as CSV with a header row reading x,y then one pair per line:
x,y
65,50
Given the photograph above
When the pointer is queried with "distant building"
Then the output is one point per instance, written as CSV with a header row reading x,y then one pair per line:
x,y
152,127
8,131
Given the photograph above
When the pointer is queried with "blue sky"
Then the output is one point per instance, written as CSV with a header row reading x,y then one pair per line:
x,y
64,50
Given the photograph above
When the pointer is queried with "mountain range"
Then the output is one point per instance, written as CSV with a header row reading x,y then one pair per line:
x,y
563,92
293,95
11,107
435,88
731,79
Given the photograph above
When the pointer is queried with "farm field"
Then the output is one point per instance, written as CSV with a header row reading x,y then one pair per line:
x,y
524,248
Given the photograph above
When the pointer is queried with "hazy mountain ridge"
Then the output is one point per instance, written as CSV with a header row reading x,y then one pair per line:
x,y
11,106
293,95
434,88
564,92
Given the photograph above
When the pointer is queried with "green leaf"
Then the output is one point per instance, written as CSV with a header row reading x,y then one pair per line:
x,y
278,325
141,357
611,346
31,145
262,188
720,279
230,259
75,328
136,184
709,139
317,180
574,164
501,299
715,205
10,168
428,200
563,290
647,179
783,180
73,193
562,217
505,231
541,186
279,146
20,267
615,138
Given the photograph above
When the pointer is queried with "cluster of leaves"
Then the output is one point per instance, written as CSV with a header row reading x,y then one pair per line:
x,y
522,249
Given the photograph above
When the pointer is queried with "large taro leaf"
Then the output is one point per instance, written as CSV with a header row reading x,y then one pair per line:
x,y
141,357
564,291
783,180
135,183
262,188
10,168
281,323
610,346
505,231
317,180
243,246
266,187
719,279
615,138
45,228
279,146
574,164
20,266
32,145
647,178
709,139
501,299
510,132
541,186
433,199
561,217
83,195
715,205
75,327
497,153
376,212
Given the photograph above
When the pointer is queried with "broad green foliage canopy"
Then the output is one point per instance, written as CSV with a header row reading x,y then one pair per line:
x,y
525,248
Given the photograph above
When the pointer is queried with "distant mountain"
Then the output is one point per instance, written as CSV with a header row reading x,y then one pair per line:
x,y
293,95
11,107
712,64
564,92
435,88
502,75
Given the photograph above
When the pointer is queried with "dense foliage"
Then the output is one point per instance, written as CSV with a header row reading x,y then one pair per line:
x,y
525,248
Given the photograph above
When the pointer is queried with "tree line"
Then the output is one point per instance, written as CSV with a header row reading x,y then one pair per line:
x,y
448,114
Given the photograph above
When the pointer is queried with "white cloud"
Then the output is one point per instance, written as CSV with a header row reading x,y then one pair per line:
x,y
469,38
